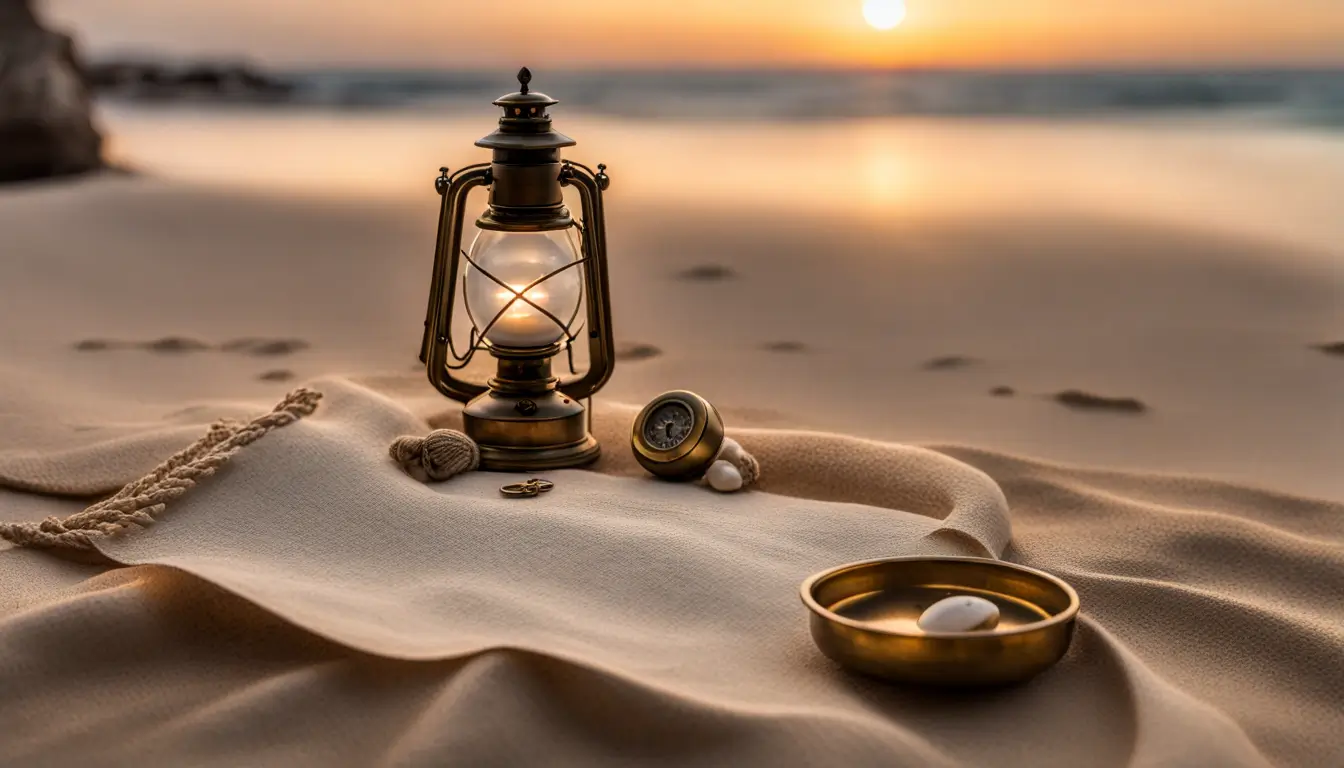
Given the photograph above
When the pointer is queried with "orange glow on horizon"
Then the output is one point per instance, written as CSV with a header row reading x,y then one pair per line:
x,y
576,34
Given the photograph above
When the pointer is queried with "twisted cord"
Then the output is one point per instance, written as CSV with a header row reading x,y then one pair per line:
x,y
139,502
437,456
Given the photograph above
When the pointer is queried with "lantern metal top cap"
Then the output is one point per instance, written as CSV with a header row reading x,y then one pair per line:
x,y
526,96
525,123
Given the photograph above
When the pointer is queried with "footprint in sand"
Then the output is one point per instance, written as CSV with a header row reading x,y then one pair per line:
x,y
1002,391
99,345
1074,398
1336,348
167,344
707,273
949,362
630,352
174,344
785,347
179,344
264,347
277,375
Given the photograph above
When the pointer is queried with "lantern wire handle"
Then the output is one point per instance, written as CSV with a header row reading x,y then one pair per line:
x,y
476,339
577,164
466,168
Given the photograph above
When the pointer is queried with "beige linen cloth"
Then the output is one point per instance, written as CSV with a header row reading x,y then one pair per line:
x,y
313,605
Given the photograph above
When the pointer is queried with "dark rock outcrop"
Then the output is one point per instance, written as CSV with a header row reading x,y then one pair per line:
x,y
46,126
155,81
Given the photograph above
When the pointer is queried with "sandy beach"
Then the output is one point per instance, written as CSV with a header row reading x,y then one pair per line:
x,y
1121,339
1025,322
1132,295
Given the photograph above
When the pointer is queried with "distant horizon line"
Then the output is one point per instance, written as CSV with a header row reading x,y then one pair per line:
x,y
644,69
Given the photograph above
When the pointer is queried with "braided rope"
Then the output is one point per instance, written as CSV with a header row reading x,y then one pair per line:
x,y
436,456
139,502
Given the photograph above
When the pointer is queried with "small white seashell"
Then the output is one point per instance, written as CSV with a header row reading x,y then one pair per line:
x,y
724,477
730,451
962,613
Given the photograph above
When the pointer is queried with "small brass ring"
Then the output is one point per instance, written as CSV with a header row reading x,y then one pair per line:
x,y
541,485
520,490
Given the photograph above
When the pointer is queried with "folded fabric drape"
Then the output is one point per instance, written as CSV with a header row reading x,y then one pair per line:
x,y
311,604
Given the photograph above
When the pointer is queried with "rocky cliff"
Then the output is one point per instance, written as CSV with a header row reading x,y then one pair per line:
x,y
46,128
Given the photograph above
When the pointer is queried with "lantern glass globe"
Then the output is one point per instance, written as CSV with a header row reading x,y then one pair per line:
x,y
518,259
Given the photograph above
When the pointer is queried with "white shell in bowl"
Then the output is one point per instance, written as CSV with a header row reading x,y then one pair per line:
x,y
962,613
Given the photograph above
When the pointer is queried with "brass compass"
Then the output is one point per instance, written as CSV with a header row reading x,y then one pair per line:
x,y
677,436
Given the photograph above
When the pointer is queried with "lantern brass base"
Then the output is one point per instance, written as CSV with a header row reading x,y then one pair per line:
x,y
495,459
529,432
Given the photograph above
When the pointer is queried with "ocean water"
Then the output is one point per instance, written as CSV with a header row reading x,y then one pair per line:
x,y
1257,155
1303,97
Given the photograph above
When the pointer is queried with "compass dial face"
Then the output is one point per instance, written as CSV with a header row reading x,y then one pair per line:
x,y
668,426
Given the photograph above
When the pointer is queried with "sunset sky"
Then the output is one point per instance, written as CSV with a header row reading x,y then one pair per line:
x,y
716,33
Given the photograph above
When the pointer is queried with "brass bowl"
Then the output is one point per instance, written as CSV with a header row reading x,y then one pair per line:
x,y
863,616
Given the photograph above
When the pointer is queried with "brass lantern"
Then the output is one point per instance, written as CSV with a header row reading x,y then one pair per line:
x,y
529,268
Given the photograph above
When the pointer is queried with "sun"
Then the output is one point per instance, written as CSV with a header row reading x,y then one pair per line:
x,y
884,14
